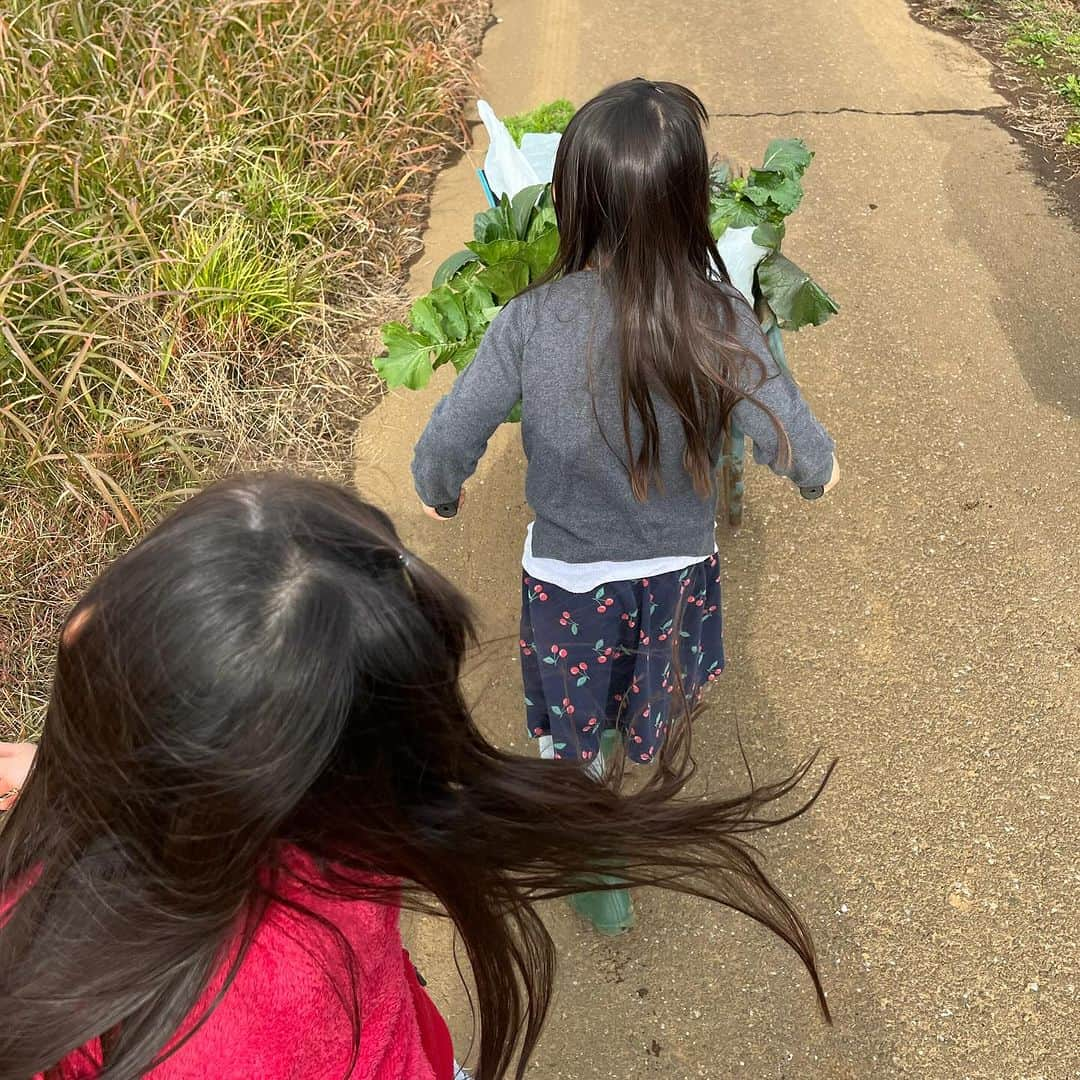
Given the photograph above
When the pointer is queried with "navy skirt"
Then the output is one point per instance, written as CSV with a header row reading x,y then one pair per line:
x,y
613,657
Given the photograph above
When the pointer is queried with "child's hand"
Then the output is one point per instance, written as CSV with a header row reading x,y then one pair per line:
x,y
436,516
15,762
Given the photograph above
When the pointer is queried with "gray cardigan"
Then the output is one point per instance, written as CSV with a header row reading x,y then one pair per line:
x,y
577,483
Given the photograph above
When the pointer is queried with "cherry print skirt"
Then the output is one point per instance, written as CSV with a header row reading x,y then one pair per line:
x,y
592,661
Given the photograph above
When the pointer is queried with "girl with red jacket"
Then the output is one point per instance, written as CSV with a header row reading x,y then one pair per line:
x,y
256,752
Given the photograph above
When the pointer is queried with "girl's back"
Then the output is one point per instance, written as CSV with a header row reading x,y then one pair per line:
x,y
286,1011
556,349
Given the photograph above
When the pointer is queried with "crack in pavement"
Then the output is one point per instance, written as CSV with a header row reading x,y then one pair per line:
x,y
988,111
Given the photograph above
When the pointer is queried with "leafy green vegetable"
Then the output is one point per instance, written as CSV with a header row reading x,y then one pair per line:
x,y
409,357
462,356
726,211
497,251
522,206
542,121
763,200
794,297
768,194
505,279
427,320
768,235
515,243
789,157
780,195
449,267
495,223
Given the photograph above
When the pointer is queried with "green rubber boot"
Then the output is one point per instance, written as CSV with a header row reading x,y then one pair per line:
x,y
611,912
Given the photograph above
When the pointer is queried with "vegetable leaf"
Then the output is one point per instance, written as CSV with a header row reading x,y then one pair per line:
x,y
769,235
543,120
451,309
540,252
461,357
790,157
477,300
505,279
735,213
449,267
521,208
425,317
495,223
497,251
794,296
408,362
543,220
782,191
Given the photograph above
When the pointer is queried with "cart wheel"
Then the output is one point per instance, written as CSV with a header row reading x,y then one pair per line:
x,y
734,450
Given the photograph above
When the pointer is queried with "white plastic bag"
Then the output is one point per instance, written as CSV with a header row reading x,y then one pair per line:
x,y
505,166
539,151
741,257
509,168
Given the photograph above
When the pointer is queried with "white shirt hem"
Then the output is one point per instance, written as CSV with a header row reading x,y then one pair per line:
x,y
584,577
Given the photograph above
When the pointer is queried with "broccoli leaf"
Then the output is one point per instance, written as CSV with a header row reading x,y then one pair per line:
x,y
794,296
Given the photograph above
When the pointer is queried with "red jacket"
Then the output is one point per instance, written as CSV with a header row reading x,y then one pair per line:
x,y
283,1019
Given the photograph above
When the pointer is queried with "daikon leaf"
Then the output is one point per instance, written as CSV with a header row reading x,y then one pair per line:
x,y
796,299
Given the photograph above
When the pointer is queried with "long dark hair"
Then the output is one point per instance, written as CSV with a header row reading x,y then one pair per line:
x,y
631,187
270,667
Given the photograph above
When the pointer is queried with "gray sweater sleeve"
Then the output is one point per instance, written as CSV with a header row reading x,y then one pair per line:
x,y
481,399
810,462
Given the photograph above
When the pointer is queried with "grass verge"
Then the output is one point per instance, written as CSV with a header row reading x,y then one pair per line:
x,y
1035,48
205,210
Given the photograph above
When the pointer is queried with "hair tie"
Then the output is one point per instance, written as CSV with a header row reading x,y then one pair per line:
x,y
405,561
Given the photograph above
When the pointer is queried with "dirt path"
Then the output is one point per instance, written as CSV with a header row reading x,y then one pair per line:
x,y
921,624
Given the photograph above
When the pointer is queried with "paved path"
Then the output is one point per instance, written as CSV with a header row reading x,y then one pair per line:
x,y
922,624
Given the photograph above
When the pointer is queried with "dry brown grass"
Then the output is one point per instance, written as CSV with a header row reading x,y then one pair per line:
x,y
205,210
